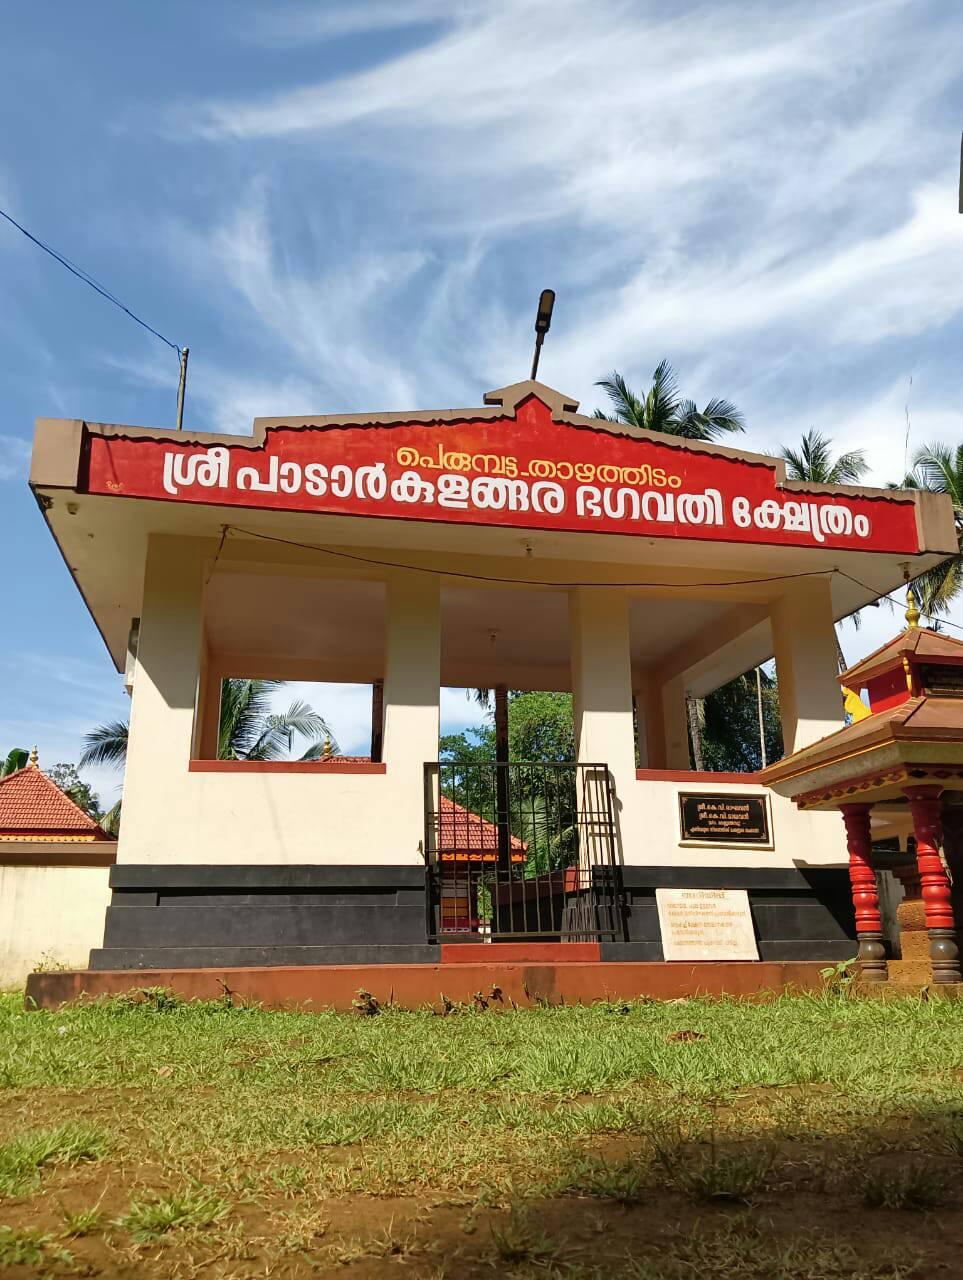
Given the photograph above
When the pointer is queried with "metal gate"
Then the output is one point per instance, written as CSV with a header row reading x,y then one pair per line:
x,y
521,851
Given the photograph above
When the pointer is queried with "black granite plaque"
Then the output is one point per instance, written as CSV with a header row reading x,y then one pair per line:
x,y
724,819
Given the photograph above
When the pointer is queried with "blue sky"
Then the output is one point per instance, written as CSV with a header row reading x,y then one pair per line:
x,y
353,205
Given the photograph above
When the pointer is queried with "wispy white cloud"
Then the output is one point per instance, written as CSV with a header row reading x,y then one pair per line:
x,y
316,23
890,425
693,178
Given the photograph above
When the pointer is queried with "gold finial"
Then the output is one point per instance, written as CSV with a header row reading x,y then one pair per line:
x,y
34,759
912,610
326,750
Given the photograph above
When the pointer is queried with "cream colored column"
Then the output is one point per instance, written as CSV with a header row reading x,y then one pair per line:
x,y
654,726
207,729
411,695
602,688
165,688
806,667
676,726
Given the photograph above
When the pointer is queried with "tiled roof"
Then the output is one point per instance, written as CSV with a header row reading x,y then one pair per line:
x,y
30,804
468,835
931,720
920,642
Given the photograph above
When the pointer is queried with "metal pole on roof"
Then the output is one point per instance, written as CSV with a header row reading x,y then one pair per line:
x,y
543,322
182,387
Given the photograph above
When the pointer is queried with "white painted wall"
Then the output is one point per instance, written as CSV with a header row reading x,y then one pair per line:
x,y
49,916
651,837
175,816
284,819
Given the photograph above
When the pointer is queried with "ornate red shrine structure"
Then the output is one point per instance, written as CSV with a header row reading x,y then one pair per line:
x,y
901,767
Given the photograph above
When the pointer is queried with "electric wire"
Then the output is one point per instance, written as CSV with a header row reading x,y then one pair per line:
x,y
88,279
888,595
536,582
517,582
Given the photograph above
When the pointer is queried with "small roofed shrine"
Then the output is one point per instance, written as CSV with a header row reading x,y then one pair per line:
x,y
33,809
54,864
897,771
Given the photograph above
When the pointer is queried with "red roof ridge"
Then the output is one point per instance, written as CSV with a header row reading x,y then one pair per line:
x,y
911,641
32,802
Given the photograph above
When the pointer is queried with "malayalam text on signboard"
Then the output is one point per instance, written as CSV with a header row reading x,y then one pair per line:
x,y
528,471
706,924
724,819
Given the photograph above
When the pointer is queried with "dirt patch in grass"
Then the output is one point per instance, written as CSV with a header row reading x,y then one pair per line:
x,y
665,1236
800,1140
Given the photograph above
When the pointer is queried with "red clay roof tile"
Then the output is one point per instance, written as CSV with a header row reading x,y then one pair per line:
x,y
31,803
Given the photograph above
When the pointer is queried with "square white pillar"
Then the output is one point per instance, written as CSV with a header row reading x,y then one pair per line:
x,y
804,640
411,695
604,731
676,725
602,678
165,689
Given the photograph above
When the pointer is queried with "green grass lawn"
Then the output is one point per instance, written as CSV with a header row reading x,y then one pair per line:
x,y
807,1137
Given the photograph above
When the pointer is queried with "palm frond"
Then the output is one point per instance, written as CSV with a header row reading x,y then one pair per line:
x,y
723,418
628,407
938,587
16,760
271,743
278,731
110,820
939,468
850,468
244,706
663,401
107,744
814,461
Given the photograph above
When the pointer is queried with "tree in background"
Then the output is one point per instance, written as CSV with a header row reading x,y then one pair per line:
x,y
248,730
662,408
939,468
814,461
66,777
17,758
730,725
542,802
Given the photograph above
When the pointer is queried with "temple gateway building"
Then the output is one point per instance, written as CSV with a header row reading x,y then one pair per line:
x,y
517,546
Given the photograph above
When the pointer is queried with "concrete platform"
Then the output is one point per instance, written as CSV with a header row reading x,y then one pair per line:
x,y
413,986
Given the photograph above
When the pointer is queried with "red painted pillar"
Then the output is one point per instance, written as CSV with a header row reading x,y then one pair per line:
x,y
937,897
862,877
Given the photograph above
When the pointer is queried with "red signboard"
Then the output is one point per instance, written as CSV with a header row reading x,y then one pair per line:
x,y
527,471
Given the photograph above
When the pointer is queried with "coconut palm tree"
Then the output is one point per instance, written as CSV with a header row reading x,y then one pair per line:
x,y
248,730
662,408
939,468
814,461
16,759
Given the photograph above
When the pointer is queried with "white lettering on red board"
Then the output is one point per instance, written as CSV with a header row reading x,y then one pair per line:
x,y
456,491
